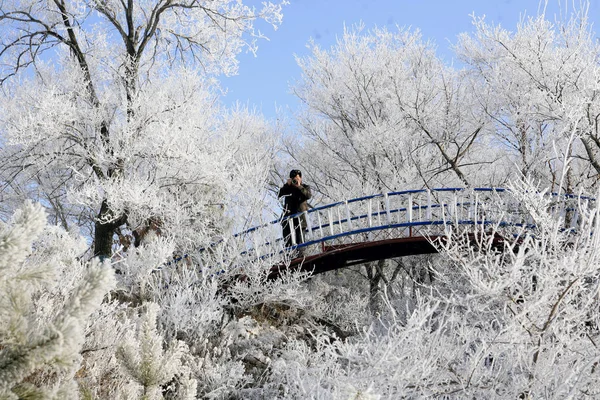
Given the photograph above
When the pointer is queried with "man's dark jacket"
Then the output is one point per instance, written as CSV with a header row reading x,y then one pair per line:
x,y
295,198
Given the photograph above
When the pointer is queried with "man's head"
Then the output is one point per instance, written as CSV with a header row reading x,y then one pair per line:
x,y
296,176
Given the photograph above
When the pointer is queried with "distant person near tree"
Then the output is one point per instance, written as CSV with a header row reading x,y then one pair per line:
x,y
295,194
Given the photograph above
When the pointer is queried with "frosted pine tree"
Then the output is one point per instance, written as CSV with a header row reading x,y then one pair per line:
x,y
39,357
152,368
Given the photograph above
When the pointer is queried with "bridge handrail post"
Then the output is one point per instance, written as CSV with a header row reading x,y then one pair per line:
x,y
320,223
387,209
475,206
470,210
330,217
292,231
348,214
455,207
563,209
444,219
370,211
256,243
409,208
308,223
428,205
574,219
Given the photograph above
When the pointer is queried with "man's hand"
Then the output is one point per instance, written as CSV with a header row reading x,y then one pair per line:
x,y
298,179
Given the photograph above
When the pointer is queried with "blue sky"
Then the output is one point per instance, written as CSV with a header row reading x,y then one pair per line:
x,y
263,81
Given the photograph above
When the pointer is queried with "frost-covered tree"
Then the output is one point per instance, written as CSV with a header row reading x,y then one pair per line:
x,y
382,111
106,119
150,365
539,87
41,338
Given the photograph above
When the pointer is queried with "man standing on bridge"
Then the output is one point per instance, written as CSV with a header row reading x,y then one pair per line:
x,y
295,194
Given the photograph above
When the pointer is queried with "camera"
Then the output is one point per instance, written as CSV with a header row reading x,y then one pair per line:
x,y
295,181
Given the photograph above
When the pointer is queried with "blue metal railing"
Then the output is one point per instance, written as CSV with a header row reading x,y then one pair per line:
x,y
412,209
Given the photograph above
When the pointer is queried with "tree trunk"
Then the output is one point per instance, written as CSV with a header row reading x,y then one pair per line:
x,y
374,274
104,231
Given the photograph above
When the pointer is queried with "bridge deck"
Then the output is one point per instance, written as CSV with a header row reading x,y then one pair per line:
x,y
341,256
334,257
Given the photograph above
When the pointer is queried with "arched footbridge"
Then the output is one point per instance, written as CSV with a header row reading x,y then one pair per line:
x,y
395,224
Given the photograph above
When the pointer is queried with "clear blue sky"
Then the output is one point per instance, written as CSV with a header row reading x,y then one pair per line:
x,y
264,81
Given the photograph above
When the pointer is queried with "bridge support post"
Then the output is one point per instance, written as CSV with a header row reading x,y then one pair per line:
x,y
455,208
308,235
348,217
256,243
574,219
320,224
387,210
308,223
428,205
292,231
474,216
